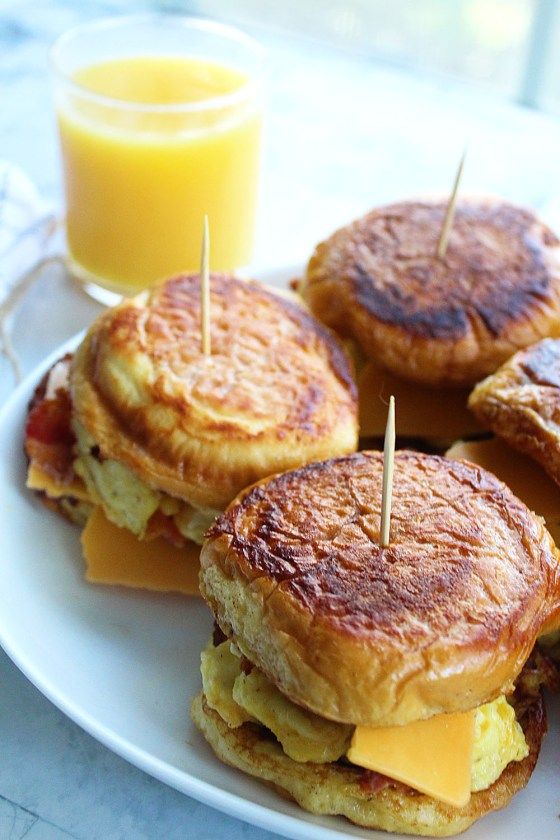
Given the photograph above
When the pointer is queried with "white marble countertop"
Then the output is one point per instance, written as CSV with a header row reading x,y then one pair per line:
x,y
343,134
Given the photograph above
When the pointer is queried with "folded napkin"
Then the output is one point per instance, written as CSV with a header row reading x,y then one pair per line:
x,y
29,239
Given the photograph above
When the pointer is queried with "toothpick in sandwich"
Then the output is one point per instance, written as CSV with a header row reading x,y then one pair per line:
x,y
450,211
388,464
205,289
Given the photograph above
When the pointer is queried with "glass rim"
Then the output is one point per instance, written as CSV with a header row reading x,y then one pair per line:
x,y
245,92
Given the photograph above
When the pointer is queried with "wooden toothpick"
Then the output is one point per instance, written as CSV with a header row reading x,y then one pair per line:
x,y
205,289
450,211
388,465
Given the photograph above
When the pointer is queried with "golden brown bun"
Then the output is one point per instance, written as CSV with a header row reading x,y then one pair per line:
x,y
340,789
522,475
276,391
521,403
440,621
447,321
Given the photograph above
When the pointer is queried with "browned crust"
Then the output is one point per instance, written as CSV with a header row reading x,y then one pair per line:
x,y
395,807
521,403
276,391
441,620
439,321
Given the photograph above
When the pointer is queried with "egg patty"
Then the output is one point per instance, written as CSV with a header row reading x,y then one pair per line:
x,y
127,500
248,696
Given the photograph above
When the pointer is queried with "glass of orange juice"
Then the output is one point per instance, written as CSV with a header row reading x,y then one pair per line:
x,y
160,124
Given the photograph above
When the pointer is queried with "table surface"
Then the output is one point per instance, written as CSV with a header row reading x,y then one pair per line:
x,y
343,133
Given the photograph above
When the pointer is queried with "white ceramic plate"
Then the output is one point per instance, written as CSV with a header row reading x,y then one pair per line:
x,y
124,665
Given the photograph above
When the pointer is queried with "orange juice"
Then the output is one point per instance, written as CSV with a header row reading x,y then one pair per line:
x,y
157,143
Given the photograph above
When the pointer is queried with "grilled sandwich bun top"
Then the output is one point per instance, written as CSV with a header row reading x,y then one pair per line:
x,y
521,403
440,621
275,392
447,321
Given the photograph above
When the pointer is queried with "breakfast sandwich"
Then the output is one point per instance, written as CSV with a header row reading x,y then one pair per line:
x,y
520,402
428,328
159,437
395,686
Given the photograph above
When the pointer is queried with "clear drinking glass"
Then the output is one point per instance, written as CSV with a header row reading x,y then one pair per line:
x,y
160,124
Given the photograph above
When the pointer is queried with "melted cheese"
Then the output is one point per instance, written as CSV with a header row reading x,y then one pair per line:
x,y
38,479
433,756
115,556
429,413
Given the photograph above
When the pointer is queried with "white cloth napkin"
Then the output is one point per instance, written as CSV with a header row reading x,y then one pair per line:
x,y
28,241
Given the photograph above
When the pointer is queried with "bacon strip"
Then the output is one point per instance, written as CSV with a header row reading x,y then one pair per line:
x,y
49,439
160,525
372,782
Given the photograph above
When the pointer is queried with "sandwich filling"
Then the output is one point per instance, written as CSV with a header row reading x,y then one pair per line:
x,y
66,465
240,693
128,501
49,446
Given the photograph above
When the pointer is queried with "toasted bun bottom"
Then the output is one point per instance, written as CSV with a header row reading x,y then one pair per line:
x,y
335,789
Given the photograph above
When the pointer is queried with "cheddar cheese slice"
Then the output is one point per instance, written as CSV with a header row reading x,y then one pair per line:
x,y
432,756
423,412
38,479
114,555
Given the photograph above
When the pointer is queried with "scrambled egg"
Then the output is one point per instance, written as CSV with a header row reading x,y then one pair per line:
x,y
194,522
304,736
219,669
238,697
127,501
498,739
